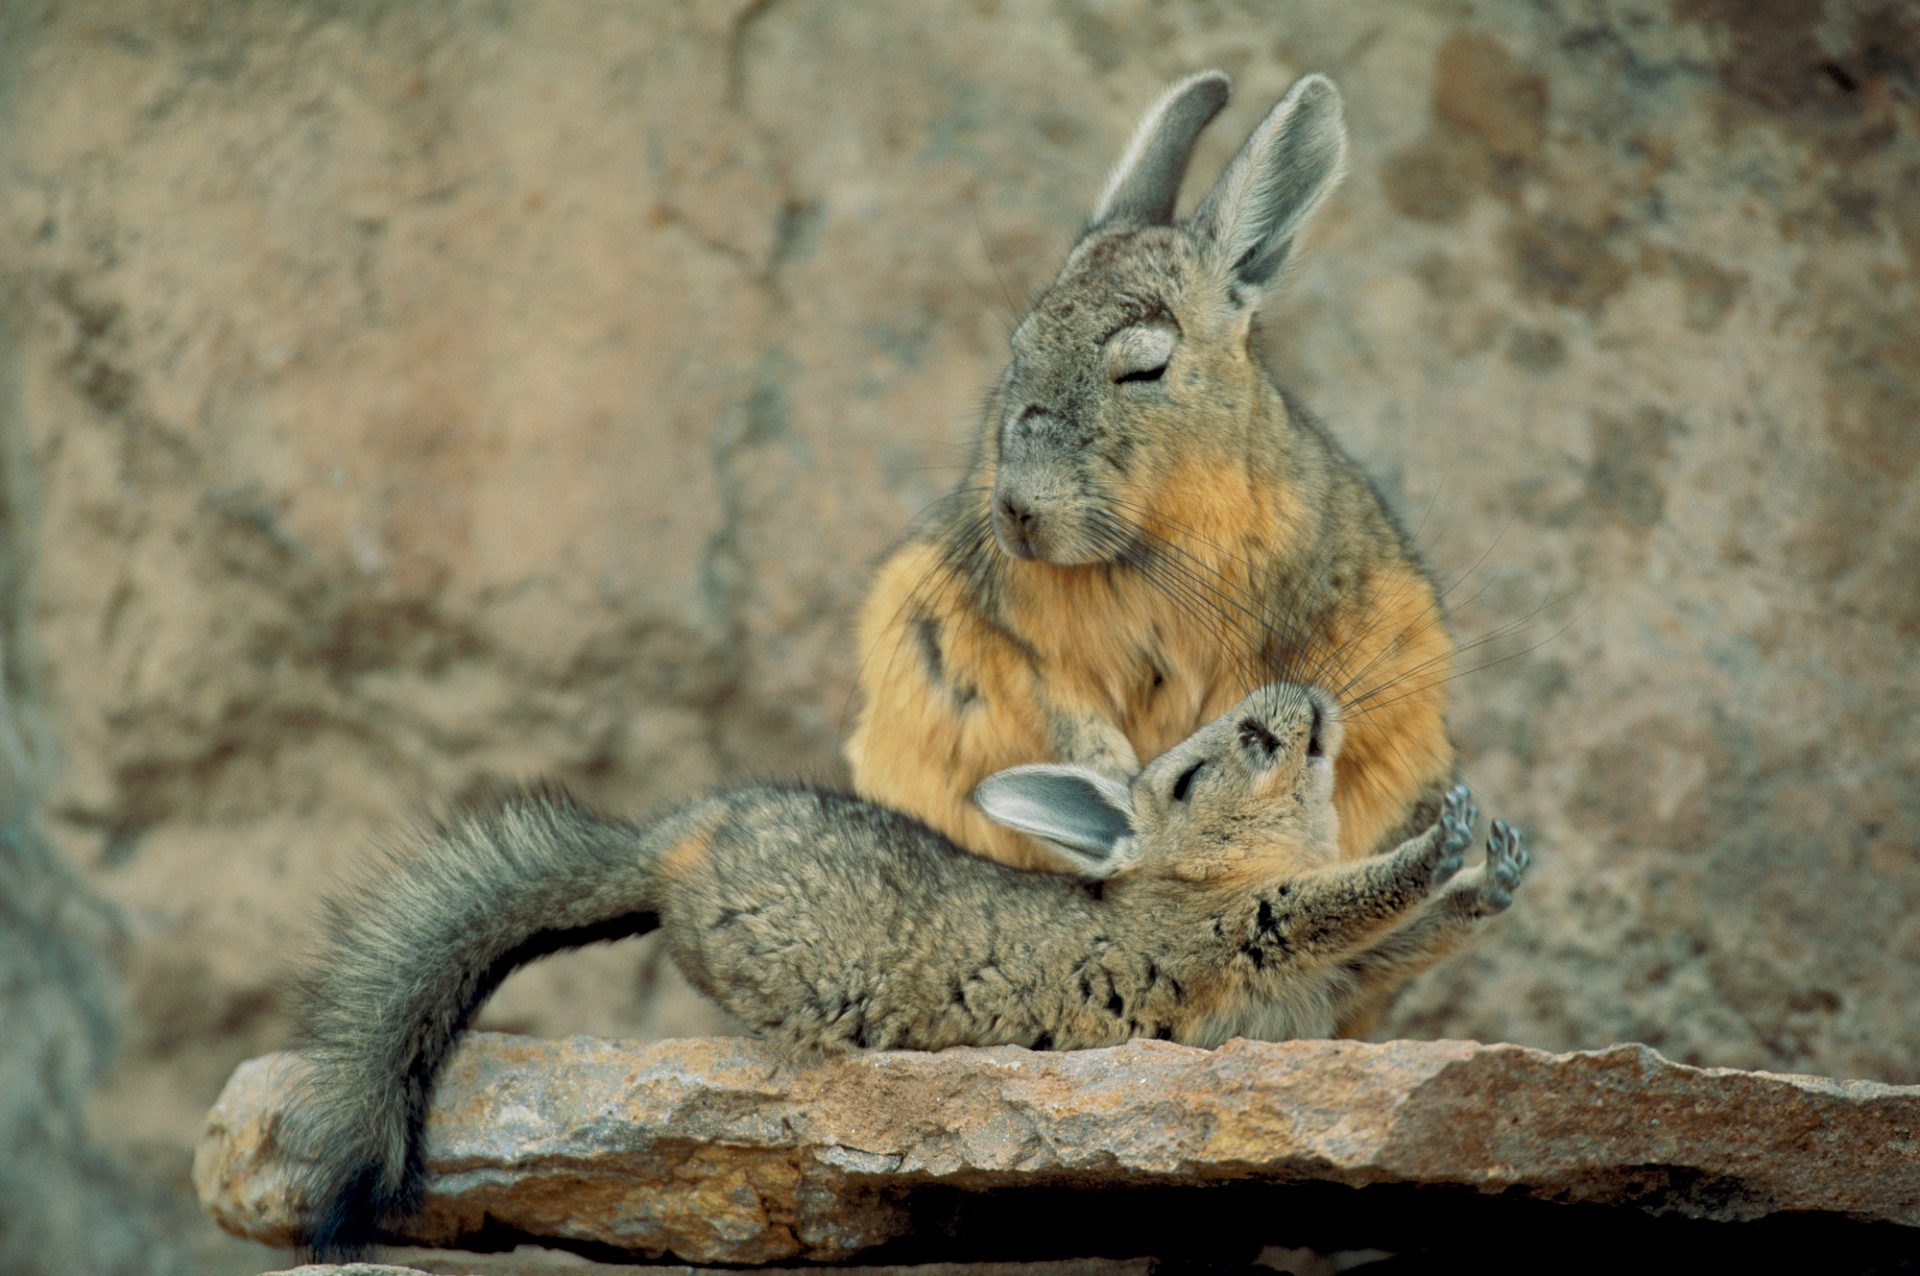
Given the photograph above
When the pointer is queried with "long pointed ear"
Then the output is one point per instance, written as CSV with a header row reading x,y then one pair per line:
x,y
1085,815
1273,185
1146,182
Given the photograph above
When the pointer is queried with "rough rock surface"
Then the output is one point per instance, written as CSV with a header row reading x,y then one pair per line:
x,y
527,1262
715,1151
396,398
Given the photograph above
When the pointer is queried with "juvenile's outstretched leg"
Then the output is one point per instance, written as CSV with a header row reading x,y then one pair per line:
x,y
1335,914
1447,922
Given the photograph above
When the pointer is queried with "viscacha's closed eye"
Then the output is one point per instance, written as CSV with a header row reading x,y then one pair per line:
x,y
1140,354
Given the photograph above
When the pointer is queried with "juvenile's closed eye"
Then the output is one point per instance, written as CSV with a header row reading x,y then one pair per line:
x,y
1185,781
1144,374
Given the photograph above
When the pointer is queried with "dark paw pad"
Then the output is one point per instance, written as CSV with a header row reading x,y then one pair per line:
x,y
1507,861
1457,814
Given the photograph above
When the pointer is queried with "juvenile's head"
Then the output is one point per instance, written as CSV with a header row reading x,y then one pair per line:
x,y
1253,789
1133,372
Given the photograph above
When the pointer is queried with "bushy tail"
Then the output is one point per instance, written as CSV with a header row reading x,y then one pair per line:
x,y
410,955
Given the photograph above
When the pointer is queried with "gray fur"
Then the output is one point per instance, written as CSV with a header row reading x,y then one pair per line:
x,y
1081,429
1146,182
1289,164
1150,525
829,923
411,953
1086,813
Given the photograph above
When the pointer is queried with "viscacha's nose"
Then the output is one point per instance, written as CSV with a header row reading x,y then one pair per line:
x,y
1014,524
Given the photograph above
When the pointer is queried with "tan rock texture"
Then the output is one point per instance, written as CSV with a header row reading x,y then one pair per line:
x,y
528,1261
399,398
716,1151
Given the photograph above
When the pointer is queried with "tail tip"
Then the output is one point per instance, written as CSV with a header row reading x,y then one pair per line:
x,y
343,1220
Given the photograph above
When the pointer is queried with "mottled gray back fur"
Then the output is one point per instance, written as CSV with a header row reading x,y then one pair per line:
x,y
1211,906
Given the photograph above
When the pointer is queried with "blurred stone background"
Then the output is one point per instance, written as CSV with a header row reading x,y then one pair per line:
x,y
398,398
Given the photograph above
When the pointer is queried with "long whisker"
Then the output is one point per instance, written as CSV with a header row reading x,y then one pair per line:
x,y
1434,614
1460,673
1294,640
1299,657
1232,644
1012,312
1360,705
1430,618
1297,651
1176,558
1211,605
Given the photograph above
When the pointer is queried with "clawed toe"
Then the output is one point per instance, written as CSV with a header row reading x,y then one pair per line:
x,y
1453,855
1507,856
1457,814
1507,861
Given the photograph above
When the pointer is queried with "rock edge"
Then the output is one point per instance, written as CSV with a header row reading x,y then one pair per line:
x,y
716,1150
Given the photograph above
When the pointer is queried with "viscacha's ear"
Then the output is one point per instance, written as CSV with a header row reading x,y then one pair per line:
x,y
1286,168
1146,182
1085,815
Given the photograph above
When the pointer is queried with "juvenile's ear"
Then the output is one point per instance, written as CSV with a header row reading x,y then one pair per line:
x,y
1273,185
1146,181
1084,814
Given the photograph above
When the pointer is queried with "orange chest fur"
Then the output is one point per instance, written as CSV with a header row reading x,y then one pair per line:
x,y
1156,666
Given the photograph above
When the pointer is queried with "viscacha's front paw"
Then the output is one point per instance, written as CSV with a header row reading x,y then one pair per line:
x,y
1457,814
1506,864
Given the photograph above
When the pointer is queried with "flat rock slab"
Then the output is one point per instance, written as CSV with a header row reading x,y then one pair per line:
x,y
715,1150
549,1263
